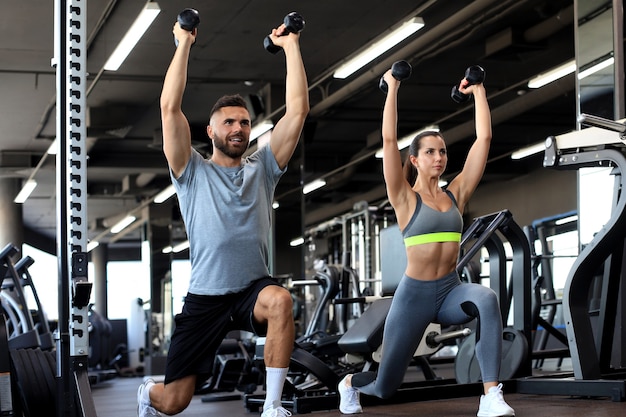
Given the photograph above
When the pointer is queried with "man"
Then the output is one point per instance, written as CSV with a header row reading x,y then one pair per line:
x,y
226,203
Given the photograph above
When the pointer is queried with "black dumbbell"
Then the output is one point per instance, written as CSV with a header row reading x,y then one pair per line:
x,y
294,23
400,70
188,19
474,75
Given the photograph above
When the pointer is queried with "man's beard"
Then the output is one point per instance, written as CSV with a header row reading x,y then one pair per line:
x,y
230,151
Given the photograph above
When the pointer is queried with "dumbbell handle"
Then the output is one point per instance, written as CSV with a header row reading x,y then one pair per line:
x,y
435,339
294,23
188,19
473,75
400,70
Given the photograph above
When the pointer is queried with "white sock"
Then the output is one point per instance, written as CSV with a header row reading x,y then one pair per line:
x,y
274,381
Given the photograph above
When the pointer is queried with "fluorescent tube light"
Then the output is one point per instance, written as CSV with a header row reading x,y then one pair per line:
x,y
166,193
122,224
552,75
565,69
181,247
297,242
260,128
599,66
566,220
529,150
167,249
134,34
313,185
25,192
92,245
379,47
406,140
53,149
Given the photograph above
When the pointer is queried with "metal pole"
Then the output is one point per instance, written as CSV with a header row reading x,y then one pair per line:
x,y
63,369
71,185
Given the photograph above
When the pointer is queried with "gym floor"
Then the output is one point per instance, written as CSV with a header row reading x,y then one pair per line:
x,y
117,397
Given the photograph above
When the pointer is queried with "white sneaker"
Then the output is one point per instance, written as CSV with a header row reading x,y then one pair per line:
x,y
493,404
144,409
276,410
348,398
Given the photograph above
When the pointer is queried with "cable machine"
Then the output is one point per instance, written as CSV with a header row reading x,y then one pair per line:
x,y
352,240
601,261
73,390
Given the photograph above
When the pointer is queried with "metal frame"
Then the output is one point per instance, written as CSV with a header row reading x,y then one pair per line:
x,y
591,351
74,397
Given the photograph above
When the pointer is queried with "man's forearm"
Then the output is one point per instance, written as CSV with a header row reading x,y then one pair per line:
x,y
296,94
175,79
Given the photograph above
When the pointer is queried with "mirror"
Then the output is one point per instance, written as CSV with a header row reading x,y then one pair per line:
x,y
596,86
595,58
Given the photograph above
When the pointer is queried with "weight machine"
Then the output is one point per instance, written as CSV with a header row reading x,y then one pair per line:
x,y
602,259
70,58
351,240
66,375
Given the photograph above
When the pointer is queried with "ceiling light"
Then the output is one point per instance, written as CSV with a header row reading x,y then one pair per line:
x,y
181,247
565,69
92,245
25,192
406,140
122,224
529,150
379,47
595,68
275,205
313,185
260,128
53,149
566,220
552,75
297,241
166,193
134,34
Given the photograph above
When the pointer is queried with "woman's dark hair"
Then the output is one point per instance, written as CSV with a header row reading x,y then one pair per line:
x,y
234,100
410,172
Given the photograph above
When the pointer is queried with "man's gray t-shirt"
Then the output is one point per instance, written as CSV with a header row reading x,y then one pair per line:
x,y
227,215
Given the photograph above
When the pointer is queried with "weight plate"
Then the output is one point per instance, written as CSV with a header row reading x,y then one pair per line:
x,y
514,353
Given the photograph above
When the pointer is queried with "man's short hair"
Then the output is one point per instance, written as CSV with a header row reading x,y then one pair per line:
x,y
234,100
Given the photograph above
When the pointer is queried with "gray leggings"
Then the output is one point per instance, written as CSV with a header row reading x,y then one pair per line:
x,y
416,304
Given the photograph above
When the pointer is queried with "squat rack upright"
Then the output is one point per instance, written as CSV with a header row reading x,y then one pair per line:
x,y
73,390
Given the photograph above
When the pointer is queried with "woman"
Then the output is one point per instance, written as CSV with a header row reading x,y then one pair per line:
x,y
430,290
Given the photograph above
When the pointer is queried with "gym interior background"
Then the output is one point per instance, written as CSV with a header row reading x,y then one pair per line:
x,y
514,41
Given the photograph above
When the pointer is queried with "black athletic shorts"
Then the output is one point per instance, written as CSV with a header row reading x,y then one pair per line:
x,y
202,325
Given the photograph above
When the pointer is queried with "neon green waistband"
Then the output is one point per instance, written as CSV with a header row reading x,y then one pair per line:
x,y
432,237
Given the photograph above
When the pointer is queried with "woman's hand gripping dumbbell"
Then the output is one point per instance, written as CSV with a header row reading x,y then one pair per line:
x,y
400,70
473,75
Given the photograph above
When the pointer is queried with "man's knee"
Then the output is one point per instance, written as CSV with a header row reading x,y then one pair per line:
x,y
175,397
174,407
278,301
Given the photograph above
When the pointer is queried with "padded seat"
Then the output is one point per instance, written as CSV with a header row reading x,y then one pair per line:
x,y
366,334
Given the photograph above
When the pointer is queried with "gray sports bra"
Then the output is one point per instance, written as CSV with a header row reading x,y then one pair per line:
x,y
428,225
